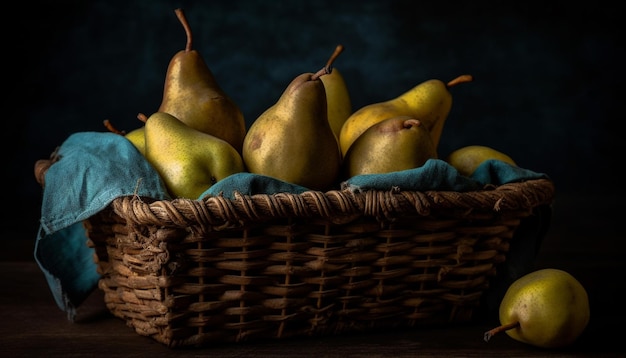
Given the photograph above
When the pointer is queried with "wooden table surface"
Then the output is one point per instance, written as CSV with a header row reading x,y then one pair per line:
x,y
587,243
32,325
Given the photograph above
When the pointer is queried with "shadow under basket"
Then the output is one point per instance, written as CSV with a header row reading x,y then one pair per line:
x,y
192,272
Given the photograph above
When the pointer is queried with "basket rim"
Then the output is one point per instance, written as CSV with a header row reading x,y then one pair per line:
x,y
334,205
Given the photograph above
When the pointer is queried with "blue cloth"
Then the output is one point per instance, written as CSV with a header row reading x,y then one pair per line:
x,y
95,168
249,184
437,174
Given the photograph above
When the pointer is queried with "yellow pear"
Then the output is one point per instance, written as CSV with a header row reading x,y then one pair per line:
x,y
338,100
189,161
138,135
466,159
138,138
292,140
395,144
430,102
192,94
547,308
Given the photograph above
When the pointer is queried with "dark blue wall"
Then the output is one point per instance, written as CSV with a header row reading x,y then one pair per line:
x,y
548,86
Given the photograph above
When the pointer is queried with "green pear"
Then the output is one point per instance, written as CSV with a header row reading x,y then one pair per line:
x,y
292,140
338,100
430,102
191,94
138,139
189,161
395,144
547,308
466,159
136,136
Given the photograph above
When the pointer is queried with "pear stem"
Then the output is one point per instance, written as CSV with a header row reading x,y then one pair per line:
x,y
505,327
412,123
460,79
329,65
111,127
183,20
142,117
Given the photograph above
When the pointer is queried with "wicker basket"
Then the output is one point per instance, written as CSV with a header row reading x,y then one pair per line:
x,y
191,272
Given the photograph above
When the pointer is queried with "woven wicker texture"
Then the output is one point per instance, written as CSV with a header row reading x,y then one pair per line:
x,y
191,272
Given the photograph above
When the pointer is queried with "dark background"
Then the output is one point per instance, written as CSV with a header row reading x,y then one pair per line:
x,y
548,87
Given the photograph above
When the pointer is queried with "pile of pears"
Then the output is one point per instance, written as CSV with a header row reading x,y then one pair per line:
x,y
310,136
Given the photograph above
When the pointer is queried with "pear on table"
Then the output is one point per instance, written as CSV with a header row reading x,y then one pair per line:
x,y
547,308
394,144
191,94
293,140
189,161
429,102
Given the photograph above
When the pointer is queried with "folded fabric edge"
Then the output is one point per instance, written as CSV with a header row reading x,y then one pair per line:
x,y
71,274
